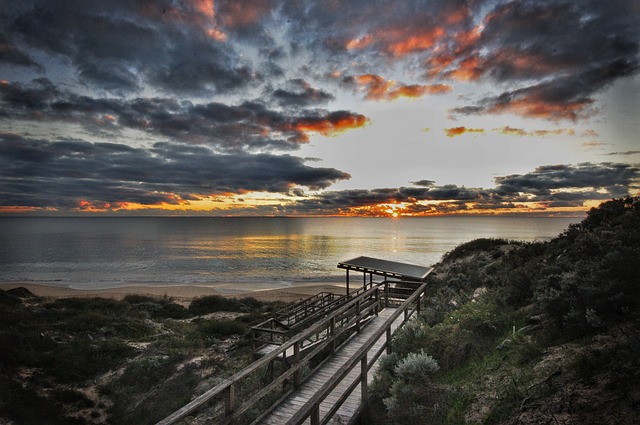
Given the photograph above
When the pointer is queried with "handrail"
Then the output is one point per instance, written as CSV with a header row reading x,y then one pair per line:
x,y
227,386
312,406
267,333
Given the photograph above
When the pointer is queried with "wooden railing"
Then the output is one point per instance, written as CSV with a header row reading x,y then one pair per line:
x,y
259,387
311,409
291,321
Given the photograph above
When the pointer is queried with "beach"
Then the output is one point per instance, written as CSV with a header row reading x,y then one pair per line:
x,y
185,293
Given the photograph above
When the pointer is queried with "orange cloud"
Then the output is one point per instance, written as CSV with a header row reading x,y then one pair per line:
x,y
377,87
242,13
458,131
537,108
413,43
380,89
333,124
416,90
469,69
510,131
205,7
464,39
216,34
400,41
360,43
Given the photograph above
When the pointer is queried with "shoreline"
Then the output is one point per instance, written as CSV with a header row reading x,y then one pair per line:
x,y
185,293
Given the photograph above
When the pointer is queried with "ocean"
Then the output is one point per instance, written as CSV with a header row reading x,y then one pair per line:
x,y
101,252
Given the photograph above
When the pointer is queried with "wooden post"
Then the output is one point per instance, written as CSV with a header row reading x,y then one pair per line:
x,y
315,415
231,399
386,292
333,334
376,309
364,393
347,282
389,340
364,281
358,315
296,363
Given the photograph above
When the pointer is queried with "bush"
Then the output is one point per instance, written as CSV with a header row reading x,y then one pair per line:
x,y
212,304
473,247
221,328
414,398
416,367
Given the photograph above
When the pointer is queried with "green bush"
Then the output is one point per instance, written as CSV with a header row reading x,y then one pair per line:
x,y
212,304
414,398
221,328
416,367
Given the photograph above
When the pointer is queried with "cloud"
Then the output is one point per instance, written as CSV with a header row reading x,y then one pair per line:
x,y
329,124
526,43
623,153
611,178
122,46
548,186
301,94
12,54
64,174
248,126
458,131
378,88
511,131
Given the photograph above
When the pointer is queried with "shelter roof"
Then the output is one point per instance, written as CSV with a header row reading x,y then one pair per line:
x,y
386,268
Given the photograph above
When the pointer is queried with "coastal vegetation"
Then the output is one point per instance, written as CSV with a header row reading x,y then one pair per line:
x,y
510,332
130,361
535,333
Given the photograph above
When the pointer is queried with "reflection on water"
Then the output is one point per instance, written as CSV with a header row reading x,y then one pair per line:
x,y
114,251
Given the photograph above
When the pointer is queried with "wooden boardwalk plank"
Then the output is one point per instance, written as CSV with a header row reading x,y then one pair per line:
x,y
289,407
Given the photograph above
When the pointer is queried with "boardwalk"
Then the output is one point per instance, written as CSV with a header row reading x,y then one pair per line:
x,y
283,413
328,362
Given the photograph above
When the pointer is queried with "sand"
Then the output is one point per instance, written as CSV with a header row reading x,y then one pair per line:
x,y
185,293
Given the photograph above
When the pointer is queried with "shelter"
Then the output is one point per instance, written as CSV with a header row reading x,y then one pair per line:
x,y
385,268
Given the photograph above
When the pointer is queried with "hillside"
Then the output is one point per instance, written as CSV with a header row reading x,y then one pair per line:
x,y
514,333
103,361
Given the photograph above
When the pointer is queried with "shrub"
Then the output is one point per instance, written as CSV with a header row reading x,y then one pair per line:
x,y
211,304
416,367
221,328
414,398
474,246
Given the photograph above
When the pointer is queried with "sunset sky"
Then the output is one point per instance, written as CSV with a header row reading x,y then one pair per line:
x,y
337,107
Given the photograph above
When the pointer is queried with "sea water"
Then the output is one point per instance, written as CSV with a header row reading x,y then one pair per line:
x,y
101,252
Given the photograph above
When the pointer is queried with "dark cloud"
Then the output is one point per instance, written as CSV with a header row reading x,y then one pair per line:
x,y
623,153
249,125
37,173
553,56
301,94
612,178
548,186
12,54
121,45
562,52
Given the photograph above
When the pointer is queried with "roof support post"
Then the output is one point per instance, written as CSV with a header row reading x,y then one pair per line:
x,y
347,281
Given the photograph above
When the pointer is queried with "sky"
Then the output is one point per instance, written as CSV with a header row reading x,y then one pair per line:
x,y
314,108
